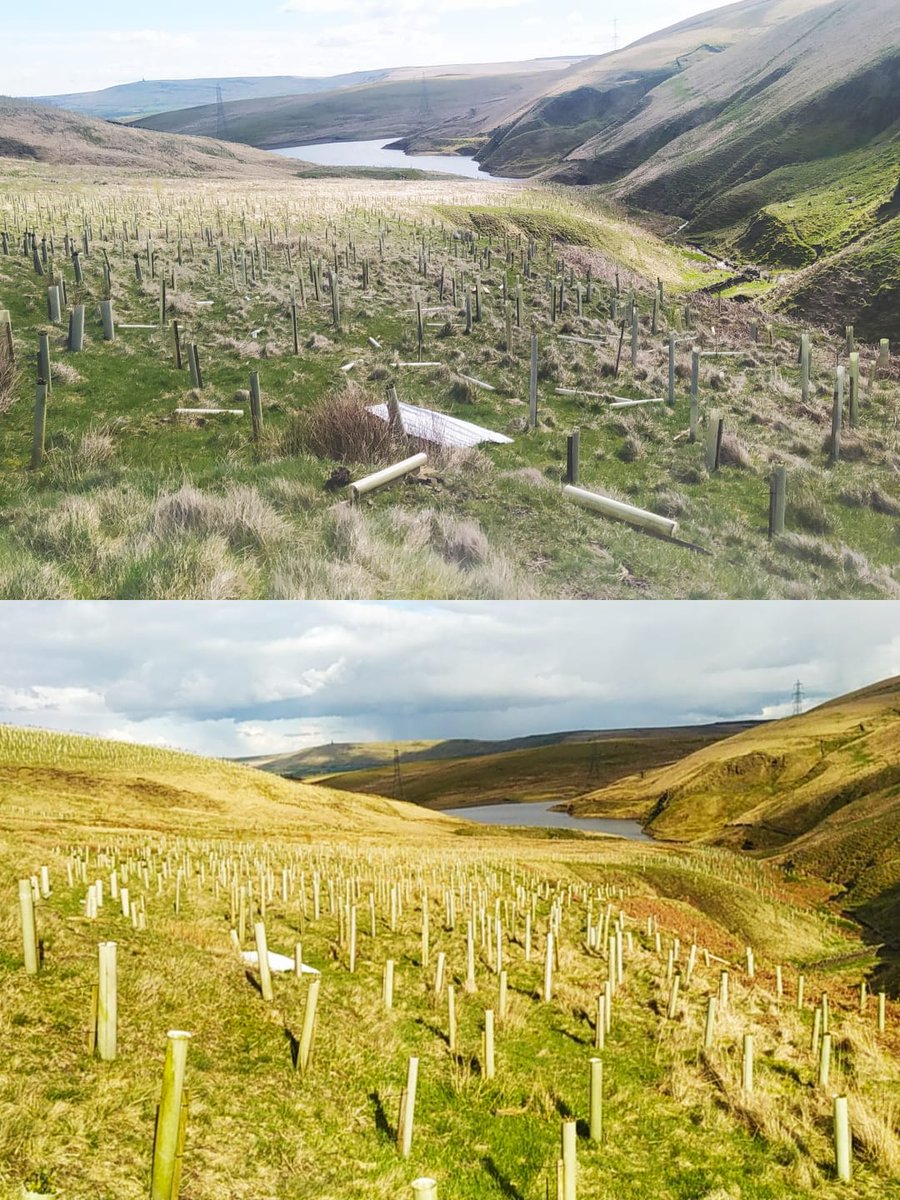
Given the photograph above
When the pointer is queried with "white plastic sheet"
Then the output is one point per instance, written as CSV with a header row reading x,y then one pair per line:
x,y
438,427
277,962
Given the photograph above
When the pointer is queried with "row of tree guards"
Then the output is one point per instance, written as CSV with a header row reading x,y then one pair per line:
x,y
560,290
498,911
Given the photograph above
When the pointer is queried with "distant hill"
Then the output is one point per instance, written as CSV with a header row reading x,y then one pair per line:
x,y
453,104
147,96
49,778
820,791
40,133
769,129
456,773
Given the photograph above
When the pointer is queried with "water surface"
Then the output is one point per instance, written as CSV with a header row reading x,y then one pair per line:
x,y
543,816
374,154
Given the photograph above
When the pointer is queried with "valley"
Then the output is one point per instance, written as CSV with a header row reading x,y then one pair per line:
x,y
336,289
520,929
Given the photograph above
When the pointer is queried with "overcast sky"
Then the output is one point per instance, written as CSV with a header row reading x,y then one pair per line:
x,y
79,47
232,678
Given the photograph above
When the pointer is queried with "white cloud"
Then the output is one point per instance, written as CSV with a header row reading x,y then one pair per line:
x,y
258,678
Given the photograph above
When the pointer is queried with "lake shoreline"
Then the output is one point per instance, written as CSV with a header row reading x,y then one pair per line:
x,y
545,816
387,153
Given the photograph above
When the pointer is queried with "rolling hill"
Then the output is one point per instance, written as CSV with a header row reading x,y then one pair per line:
x,y
50,780
453,104
820,792
40,133
147,96
455,774
143,98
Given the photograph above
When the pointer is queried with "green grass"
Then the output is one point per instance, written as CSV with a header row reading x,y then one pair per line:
x,y
101,517
256,1126
676,1123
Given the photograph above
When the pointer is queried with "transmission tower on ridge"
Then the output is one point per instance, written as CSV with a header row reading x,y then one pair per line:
x,y
799,698
615,33
398,778
221,120
426,98
594,766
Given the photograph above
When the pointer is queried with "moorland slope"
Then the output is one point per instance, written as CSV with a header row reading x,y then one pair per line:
x,y
555,767
820,792
457,106
40,133
774,139
47,779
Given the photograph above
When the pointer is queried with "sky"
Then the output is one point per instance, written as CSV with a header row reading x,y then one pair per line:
x,y
81,47
232,679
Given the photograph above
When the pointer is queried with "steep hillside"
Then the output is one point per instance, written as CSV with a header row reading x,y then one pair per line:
x,y
460,104
49,779
779,142
39,133
549,769
820,791
603,93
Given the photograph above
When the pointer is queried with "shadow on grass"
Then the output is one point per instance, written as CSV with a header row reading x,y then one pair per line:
x,y
294,1044
434,1030
382,1124
506,1186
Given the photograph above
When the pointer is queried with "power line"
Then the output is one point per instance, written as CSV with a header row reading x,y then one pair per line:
x,y
221,120
799,699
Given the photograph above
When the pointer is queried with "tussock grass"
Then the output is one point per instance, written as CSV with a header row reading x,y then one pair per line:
x,y
111,423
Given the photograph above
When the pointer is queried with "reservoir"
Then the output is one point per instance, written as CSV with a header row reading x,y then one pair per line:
x,y
543,816
374,154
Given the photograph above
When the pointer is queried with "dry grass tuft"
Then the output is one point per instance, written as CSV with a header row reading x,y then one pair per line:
x,y
339,428
734,452
460,542
9,379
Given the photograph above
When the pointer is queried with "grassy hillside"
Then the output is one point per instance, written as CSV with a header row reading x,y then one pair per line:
x,y
142,493
53,781
338,757
455,106
42,134
554,772
147,96
603,93
777,141
254,1125
820,791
